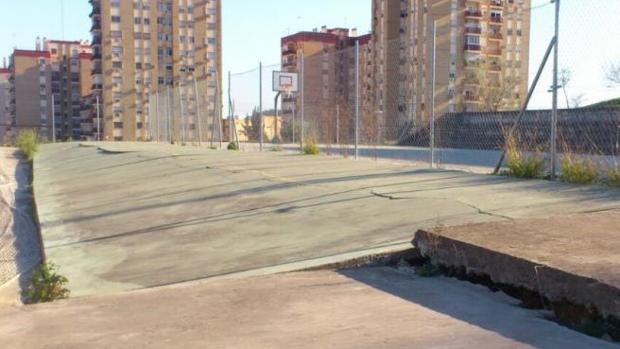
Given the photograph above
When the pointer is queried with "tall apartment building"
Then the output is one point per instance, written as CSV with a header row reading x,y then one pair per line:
x,y
144,46
53,78
71,66
31,92
328,78
5,102
482,52
386,26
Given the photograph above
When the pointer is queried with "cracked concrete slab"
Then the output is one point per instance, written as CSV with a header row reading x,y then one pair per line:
x,y
574,258
150,215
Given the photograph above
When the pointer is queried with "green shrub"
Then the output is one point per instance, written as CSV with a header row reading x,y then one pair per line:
x,y
530,166
233,146
613,177
276,148
28,143
520,165
311,148
46,285
579,171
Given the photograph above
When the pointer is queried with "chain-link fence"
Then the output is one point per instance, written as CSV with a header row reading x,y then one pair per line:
x,y
452,87
187,113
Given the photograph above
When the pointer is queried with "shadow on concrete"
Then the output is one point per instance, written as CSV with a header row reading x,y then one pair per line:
x,y
262,189
475,313
27,243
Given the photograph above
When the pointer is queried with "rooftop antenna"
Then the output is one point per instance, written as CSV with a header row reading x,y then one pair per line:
x,y
62,19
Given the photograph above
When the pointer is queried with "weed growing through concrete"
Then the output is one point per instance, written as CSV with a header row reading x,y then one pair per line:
x,y
233,146
311,148
276,148
613,177
520,164
579,171
46,285
28,143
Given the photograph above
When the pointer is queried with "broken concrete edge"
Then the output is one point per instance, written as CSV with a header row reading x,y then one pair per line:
x,y
387,258
380,254
565,292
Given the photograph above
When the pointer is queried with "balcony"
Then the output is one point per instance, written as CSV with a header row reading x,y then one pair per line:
x,y
469,47
497,3
496,20
472,98
289,52
96,26
473,14
495,36
473,30
494,52
95,12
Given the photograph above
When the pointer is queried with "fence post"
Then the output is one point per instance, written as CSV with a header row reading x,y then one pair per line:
x,y
197,109
554,112
53,120
433,72
303,109
168,123
230,112
357,97
260,103
98,138
183,120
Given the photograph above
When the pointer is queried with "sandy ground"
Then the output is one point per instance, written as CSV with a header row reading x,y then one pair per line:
x,y
19,244
360,308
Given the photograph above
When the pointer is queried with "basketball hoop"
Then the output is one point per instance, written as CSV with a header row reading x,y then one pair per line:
x,y
286,83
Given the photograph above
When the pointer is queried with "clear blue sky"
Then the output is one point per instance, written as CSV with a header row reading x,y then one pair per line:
x,y
252,31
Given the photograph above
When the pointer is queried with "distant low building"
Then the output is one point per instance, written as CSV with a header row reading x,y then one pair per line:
x,y
247,131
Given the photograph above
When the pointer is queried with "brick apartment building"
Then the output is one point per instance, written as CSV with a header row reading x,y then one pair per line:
x,y
482,50
53,78
144,46
329,79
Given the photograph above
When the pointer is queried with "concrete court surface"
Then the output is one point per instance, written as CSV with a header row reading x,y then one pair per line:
x,y
143,215
360,308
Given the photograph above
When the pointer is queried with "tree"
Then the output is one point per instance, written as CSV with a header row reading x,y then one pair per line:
x,y
578,100
613,73
495,91
566,75
252,125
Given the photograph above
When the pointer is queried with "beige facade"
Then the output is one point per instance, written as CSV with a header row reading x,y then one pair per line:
x,y
51,79
144,46
386,25
70,64
482,52
31,91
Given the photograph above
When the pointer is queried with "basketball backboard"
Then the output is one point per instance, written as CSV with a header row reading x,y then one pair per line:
x,y
285,82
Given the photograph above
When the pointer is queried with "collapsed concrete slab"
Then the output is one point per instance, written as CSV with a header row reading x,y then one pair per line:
x,y
572,262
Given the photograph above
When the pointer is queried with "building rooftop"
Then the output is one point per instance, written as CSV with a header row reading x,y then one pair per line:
x,y
31,53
